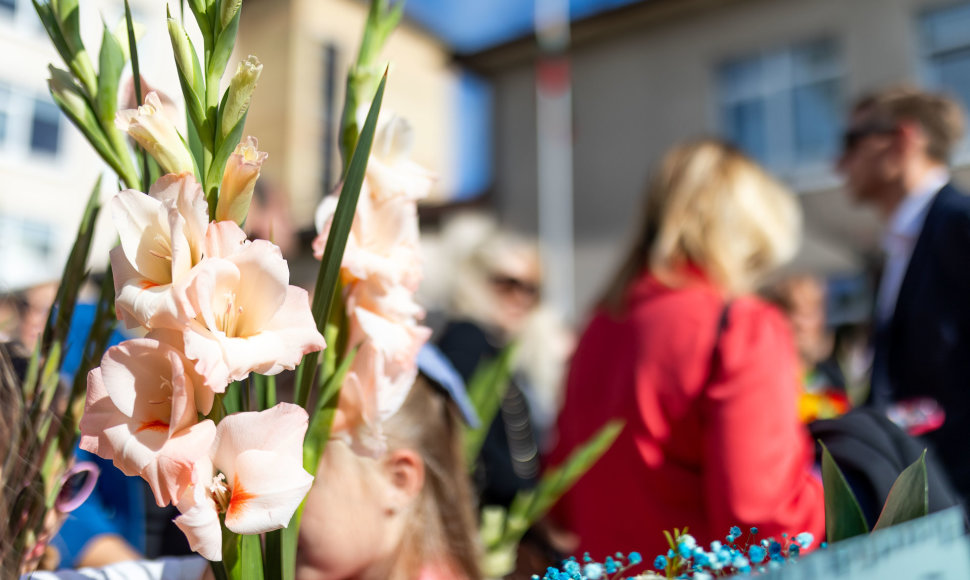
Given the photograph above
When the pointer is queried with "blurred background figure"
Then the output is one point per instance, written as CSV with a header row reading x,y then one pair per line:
x,y
495,299
704,374
896,156
802,298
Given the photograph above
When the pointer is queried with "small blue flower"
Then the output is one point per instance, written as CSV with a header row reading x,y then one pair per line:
x,y
735,531
586,557
741,564
757,554
774,548
593,571
715,546
793,551
660,563
635,558
611,566
754,531
804,540
571,567
670,554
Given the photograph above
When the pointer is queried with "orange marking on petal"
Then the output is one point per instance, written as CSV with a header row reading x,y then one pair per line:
x,y
146,284
240,497
155,425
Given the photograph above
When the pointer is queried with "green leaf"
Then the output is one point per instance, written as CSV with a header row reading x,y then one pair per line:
x,y
486,389
68,17
46,14
909,497
217,167
273,563
225,42
146,180
291,536
189,70
252,557
232,557
843,516
110,64
557,481
329,272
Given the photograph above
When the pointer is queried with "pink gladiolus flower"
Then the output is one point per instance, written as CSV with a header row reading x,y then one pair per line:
x,y
245,316
162,236
255,477
152,129
383,241
239,180
141,413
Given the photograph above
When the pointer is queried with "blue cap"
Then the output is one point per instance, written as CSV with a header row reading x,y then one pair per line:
x,y
436,366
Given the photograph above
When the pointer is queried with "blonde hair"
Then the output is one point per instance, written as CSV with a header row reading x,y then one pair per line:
x,y
443,528
710,207
940,116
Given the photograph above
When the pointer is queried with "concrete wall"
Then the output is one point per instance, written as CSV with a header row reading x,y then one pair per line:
x,y
637,92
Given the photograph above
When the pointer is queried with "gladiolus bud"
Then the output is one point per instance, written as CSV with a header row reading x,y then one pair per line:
x,y
229,10
185,57
66,91
239,180
240,92
149,126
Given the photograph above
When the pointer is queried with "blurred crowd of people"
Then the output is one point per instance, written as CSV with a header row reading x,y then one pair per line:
x,y
718,366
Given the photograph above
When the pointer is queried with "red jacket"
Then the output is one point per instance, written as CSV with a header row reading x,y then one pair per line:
x,y
706,453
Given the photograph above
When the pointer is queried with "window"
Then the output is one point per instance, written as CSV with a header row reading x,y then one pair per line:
x,y
945,40
30,124
784,107
8,7
45,128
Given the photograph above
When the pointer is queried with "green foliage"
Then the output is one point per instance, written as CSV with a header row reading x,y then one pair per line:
x,y
909,497
501,536
843,516
486,389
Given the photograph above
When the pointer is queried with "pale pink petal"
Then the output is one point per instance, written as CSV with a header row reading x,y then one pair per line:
x,y
223,239
279,429
99,415
172,471
263,286
187,219
138,220
267,487
199,520
281,344
205,350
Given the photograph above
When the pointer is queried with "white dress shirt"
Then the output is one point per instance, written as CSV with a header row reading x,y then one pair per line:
x,y
903,230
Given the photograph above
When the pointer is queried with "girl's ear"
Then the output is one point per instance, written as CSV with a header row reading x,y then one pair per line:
x,y
404,470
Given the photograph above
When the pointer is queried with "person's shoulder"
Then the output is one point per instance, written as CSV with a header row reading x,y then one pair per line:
x,y
752,321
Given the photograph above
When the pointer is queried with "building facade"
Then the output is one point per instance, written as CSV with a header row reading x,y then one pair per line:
x,y
774,76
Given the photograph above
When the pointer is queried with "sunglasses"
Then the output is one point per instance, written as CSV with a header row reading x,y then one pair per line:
x,y
77,484
855,135
509,284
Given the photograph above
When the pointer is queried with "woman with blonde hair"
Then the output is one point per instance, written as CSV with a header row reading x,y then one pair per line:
x,y
703,372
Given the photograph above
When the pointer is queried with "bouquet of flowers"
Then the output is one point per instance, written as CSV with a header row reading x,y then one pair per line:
x,y
191,405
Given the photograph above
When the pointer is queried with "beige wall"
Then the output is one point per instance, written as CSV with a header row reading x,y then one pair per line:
x,y
636,93
289,38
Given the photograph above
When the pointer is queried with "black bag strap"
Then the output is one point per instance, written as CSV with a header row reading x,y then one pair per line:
x,y
722,324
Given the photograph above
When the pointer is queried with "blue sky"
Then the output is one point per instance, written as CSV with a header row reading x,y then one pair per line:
x,y
472,25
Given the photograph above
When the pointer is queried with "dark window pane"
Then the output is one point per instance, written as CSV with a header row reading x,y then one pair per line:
x,y
744,124
45,128
814,60
954,74
947,29
8,7
817,110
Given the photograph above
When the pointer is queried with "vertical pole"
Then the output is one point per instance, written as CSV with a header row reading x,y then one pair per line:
x,y
555,155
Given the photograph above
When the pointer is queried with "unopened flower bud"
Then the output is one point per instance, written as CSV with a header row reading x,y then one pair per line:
x,y
239,180
240,92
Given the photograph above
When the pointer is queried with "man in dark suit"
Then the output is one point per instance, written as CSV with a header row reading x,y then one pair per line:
x,y
895,160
